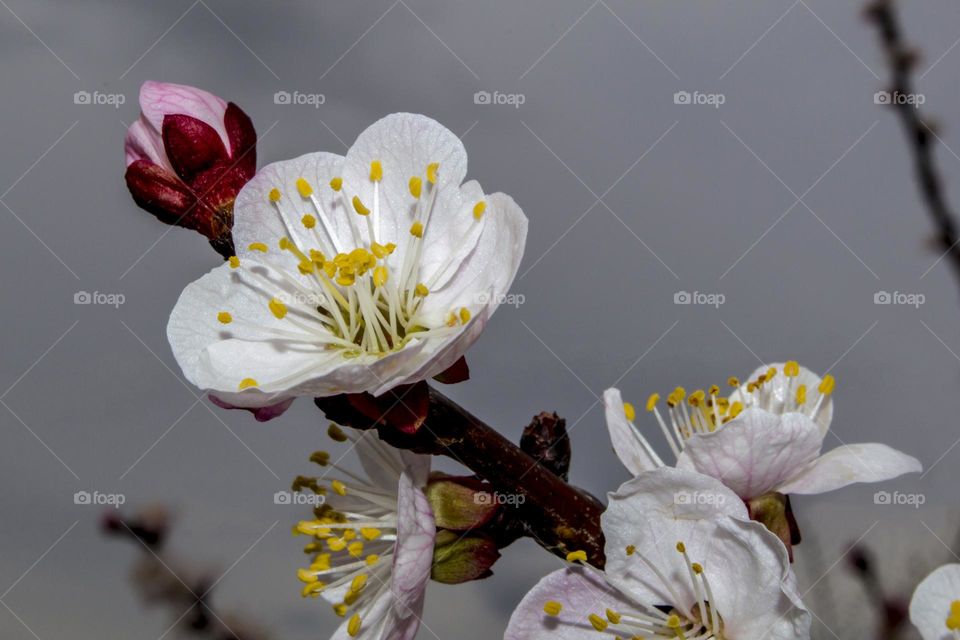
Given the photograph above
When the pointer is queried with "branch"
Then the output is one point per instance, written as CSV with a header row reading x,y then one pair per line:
x,y
559,516
901,59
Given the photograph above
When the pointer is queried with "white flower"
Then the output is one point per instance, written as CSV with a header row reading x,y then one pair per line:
x,y
683,561
373,541
935,606
352,274
767,436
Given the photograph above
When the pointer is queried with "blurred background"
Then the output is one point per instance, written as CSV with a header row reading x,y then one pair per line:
x,y
728,149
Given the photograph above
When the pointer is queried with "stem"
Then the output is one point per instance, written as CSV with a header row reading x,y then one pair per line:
x,y
558,515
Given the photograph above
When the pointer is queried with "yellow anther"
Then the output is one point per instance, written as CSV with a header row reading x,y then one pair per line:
x,y
751,387
277,308
421,290
652,401
371,559
791,369
733,381
416,186
673,622
613,616
735,409
801,395
317,256
552,608
247,383
234,262
679,393
321,458
321,563
304,188
359,208
630,549
340,609
696,398
382,250
380,276
697,568
629,411
336,184
312,589
355,549
771,373
451,319
274,195
330,268
305,575
225,317
336,544
370,533
376,171
336,433
598,623
345,280
339,487
714,390
827,385
306,267
353,627
682,548
257,246
464,315
359,582
432,172
953,620
577,556
416,229
478,209
309,221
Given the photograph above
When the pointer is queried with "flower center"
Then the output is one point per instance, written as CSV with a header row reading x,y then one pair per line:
x,y
361,299
704,411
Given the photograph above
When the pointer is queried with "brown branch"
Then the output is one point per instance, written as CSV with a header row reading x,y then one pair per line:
x,y
559,516
921,136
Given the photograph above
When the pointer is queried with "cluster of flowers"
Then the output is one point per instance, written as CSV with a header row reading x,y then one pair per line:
x,y
361,273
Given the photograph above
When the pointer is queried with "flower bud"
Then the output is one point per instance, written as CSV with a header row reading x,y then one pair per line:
x,y
459,558
460,503
188,155
773,511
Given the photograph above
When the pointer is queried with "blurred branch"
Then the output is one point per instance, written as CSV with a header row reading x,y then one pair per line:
x,y
891,611
921,135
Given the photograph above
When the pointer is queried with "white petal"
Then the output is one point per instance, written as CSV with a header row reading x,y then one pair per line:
x,y
581,591
144,143
413,556
778,391
653,512
628,443
755,452
930,604
851,463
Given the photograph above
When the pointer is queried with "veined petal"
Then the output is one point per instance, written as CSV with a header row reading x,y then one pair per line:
x,y
628,443
755,452
143,142
850,463
413,558
932,602
159,99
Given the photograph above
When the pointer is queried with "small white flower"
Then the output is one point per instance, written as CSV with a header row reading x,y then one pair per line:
x,y
935,606
352,274
373,541
687,569
767,436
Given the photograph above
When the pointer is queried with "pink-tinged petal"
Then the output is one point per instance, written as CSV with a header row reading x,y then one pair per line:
x,y
745,553
930,605
581,591
192,145
143,142
652,513
243,140
756,452
851,463
413,556
260,414
159,99
630,446
777,391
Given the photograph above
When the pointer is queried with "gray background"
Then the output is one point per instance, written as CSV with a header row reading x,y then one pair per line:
x,y
631,198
